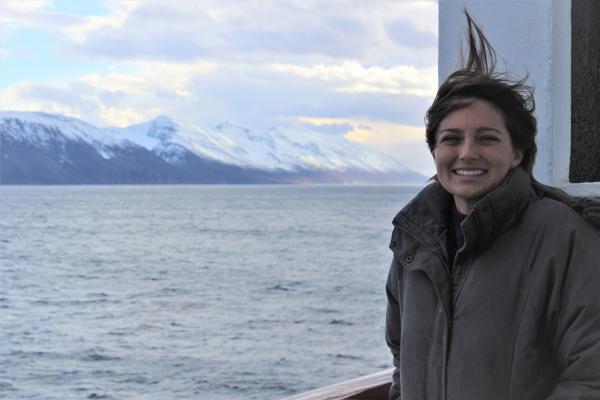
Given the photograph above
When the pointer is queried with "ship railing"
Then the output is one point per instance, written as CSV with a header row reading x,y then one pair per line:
x,y
369,387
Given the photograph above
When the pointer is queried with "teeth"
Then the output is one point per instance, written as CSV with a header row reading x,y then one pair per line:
x,y
469,172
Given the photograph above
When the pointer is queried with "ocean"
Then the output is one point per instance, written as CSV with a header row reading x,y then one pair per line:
x,y
192,292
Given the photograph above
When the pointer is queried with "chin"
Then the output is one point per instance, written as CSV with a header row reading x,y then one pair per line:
x,y
470,195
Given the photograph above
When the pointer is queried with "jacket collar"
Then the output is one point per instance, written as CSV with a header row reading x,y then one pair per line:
x,y
426,216
499,210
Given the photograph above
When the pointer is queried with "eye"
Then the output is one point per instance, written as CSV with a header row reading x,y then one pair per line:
x,y
450,139
489,138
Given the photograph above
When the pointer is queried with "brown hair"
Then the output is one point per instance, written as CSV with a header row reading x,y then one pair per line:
x,y
477,79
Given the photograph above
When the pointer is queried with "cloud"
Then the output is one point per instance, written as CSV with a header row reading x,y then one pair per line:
x,y
402,31
118,116
350,76
207,93
24,96
131,93
33,13
12,10
266,97
150,77
78,99
243,31
335,128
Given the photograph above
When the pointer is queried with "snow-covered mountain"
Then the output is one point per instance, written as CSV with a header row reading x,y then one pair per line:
x,y
50,148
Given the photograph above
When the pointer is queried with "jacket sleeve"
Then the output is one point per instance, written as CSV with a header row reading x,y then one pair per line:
x,y
572,318
392,326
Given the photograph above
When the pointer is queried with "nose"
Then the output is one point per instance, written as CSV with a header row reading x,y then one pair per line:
x,y
468,150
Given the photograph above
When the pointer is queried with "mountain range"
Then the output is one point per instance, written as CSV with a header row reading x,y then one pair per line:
x,y
42,148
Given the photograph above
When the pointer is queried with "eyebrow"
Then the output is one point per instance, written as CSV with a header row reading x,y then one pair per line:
x,y
478,130
450,130
488,128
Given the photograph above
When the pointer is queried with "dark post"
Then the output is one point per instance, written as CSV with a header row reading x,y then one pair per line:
x,y
585,91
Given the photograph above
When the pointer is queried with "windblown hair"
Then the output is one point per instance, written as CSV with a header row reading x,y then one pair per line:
x,y
477,79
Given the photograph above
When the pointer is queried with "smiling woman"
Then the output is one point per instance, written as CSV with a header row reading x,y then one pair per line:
x,y
489,296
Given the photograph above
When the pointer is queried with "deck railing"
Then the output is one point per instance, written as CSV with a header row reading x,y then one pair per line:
x,y
370,387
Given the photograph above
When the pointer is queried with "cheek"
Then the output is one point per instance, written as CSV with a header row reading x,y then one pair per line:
x,y
508,158
439,157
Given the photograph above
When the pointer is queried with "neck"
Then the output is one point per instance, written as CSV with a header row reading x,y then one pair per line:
x,y
464,206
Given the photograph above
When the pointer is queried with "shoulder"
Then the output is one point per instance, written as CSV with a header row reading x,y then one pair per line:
x,y
429,194
545,207
588,207
429,206
424,218
554,217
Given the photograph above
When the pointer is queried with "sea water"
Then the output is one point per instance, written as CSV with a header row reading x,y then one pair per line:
x,y
191,292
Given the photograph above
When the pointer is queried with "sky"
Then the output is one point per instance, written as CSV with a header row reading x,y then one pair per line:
x,y
364,69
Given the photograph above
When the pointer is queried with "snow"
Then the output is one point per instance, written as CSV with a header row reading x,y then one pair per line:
x,y
229,142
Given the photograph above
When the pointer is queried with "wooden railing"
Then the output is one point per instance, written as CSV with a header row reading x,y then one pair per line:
x,y
370,387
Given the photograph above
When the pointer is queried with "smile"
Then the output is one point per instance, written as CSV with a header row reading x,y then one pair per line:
x,y
469,172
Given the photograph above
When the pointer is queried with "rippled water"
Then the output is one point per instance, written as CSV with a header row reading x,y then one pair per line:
x,y
191,292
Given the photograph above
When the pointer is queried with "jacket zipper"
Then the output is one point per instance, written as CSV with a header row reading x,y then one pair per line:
x,y
459,280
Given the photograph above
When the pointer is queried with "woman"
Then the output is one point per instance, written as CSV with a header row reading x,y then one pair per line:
x,y
494,288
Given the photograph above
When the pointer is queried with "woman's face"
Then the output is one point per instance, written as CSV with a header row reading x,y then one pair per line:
x,y
473,153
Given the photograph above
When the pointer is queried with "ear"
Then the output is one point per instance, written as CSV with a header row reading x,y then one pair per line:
x,y
517,158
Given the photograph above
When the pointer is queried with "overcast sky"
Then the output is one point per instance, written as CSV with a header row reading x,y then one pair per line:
x,y
363,69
